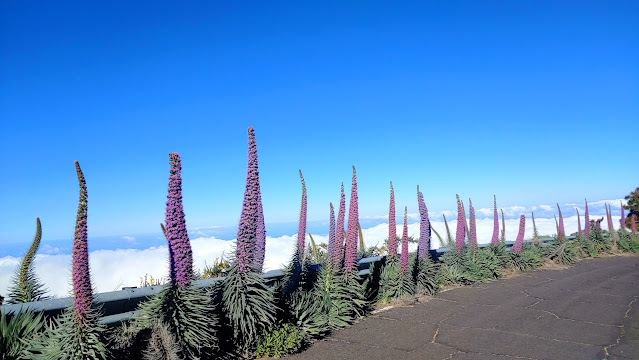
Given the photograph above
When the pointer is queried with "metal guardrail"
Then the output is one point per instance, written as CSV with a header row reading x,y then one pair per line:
x,y
118,306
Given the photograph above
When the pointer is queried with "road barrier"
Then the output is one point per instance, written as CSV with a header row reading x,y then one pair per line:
x,y
119,306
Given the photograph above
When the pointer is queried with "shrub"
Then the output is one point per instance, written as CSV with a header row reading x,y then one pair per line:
x,y
17,331
280,340
426,276
500,252
562,252
393,283
470,266
529,258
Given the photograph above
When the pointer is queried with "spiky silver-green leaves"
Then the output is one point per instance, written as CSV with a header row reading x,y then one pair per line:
x,y
68,339
25,285
186,312
16,331
334,302
248,305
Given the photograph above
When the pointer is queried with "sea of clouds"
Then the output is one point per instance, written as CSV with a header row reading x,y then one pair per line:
x,y
113,269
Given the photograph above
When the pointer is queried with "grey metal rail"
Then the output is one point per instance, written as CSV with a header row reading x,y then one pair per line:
x,y
118,306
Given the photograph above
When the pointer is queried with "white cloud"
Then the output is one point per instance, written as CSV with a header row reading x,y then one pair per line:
x,y
613,203
48,249
130,239
112,269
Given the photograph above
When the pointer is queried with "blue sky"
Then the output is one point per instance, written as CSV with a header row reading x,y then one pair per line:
x,y
530,100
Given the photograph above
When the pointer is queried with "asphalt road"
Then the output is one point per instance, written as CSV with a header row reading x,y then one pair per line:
x,y
588,311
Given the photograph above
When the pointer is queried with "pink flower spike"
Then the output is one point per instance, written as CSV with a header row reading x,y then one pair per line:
x,y
392,228
519,242
350,251
403,265
301,232
586,221
82,289
460,235
495,239
473,226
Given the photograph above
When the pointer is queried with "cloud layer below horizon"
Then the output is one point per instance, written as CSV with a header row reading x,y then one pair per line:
x,y
113,269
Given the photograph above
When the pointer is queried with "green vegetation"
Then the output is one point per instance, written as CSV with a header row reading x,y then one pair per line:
x,y
280,340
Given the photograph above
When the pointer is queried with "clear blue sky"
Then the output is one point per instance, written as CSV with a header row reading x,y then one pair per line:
x,y
534,101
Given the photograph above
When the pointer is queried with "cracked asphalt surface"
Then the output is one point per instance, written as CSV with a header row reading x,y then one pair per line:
x,y
588,311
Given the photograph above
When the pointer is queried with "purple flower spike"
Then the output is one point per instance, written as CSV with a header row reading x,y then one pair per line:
x,y
251,233
461,231
403,262
338,255
578,223
561,233
180,247
622,221
392,228
82,290
633,226
495,239
301,232
519,242
423,246
260,234
473,227
331,234
586,221
503,227
350,251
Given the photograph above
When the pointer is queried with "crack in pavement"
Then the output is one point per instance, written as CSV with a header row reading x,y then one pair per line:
x,y
623,331
512,333
481,353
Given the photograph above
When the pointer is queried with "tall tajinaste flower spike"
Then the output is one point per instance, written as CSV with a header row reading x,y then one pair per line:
x,y
473,227
466,227
561,233
251,232
82,289
495,239
260,234
578,223
423,246
331,234
338,255
586,221
350,251
535,233
302,225
403,262
449,237
503,227
519,242
177,236
461,231
27,261
622,221
611,229
392,228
